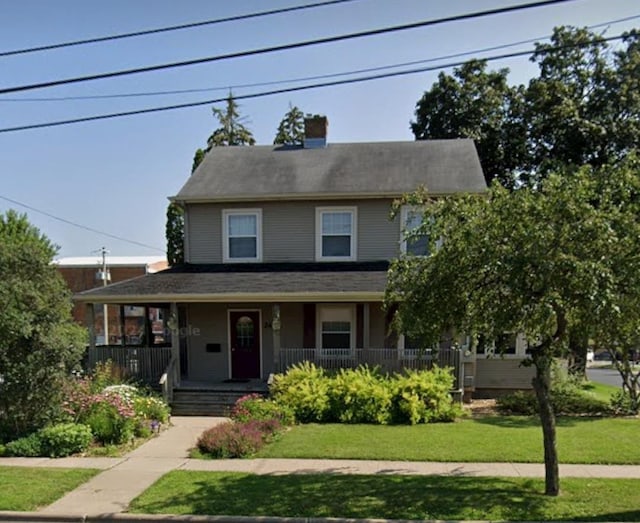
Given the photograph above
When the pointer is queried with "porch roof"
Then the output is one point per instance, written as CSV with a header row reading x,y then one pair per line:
x,y
249,282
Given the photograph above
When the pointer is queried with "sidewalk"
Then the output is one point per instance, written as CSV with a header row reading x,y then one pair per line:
x,y
111,491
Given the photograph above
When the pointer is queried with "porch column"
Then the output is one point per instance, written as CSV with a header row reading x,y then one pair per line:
x,y
275,329
366,326
175,341
89,320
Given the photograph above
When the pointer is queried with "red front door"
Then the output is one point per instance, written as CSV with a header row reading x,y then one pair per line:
x,y
244,327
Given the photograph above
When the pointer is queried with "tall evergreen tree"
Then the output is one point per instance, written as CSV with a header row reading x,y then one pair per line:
x,y
291,128
230,133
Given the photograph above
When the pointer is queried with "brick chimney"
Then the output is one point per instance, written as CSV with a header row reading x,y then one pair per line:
x,y
315,132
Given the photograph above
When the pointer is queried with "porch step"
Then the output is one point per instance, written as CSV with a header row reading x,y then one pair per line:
x,y
203,402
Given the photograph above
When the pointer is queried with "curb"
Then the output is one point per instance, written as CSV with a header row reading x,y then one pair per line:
x,y
35,517
8,516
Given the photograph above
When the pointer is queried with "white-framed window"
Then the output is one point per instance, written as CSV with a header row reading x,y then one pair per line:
x,y
508,345
411,218
242,235
336,233
336,329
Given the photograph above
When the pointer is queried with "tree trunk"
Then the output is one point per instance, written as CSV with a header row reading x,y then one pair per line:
x,y
542,387
577,362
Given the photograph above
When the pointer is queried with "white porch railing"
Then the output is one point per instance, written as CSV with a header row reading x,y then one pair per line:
x,y
389,360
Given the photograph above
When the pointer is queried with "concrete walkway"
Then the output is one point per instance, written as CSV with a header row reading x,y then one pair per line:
x,y
111,491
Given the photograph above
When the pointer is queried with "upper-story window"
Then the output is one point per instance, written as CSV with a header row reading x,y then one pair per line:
x,y
336,233
242,235
418,245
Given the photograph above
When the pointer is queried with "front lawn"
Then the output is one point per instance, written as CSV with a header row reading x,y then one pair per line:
x,y
28,488
489,439
387,496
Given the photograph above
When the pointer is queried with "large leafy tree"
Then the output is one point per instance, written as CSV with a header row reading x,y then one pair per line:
x,y
39,341
232,131
291,128
478,104
583,107
538,261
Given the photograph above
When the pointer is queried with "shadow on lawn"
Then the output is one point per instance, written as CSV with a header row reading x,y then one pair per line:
x,y
524,422
394,497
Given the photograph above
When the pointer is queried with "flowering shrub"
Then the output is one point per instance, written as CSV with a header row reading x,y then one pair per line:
x,y
237,439
151,408
255,407
116,413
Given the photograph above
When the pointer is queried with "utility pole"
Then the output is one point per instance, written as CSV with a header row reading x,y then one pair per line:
x,y
105,277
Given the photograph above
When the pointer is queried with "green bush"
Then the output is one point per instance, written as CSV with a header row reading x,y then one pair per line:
x,y
360,395
64,439
364,396
258,408
108,425
27,447
424,396
304,389
106,374
622,403
567,398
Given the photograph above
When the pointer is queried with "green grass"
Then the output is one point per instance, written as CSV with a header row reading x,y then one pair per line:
x,y
28,488
599,390
387,496
499,439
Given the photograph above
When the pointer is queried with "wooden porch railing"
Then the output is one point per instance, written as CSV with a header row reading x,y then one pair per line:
x,y
389,360
146,364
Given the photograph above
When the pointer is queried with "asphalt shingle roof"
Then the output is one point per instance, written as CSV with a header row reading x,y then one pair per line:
x,y
389,168
208,282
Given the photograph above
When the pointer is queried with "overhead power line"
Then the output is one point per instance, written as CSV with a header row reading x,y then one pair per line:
x,y
80,226
300,79
284,47
288,89
191,25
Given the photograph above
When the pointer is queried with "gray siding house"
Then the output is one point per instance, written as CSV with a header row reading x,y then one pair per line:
x,y
286,253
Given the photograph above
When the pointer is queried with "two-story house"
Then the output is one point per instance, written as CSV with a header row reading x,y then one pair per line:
x,y
286,253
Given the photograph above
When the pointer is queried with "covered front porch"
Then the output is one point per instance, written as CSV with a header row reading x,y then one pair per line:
x,y
207,328
208,344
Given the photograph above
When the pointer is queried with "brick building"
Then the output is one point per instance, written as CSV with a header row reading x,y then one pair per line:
x,y
84,273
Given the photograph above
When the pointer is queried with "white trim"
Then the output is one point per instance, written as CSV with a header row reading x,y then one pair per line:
x,y
311,196
521,348
353,318
404,214
230,366
353,256
226,213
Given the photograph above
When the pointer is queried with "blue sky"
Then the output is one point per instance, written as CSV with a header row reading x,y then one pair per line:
x,y
116,175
